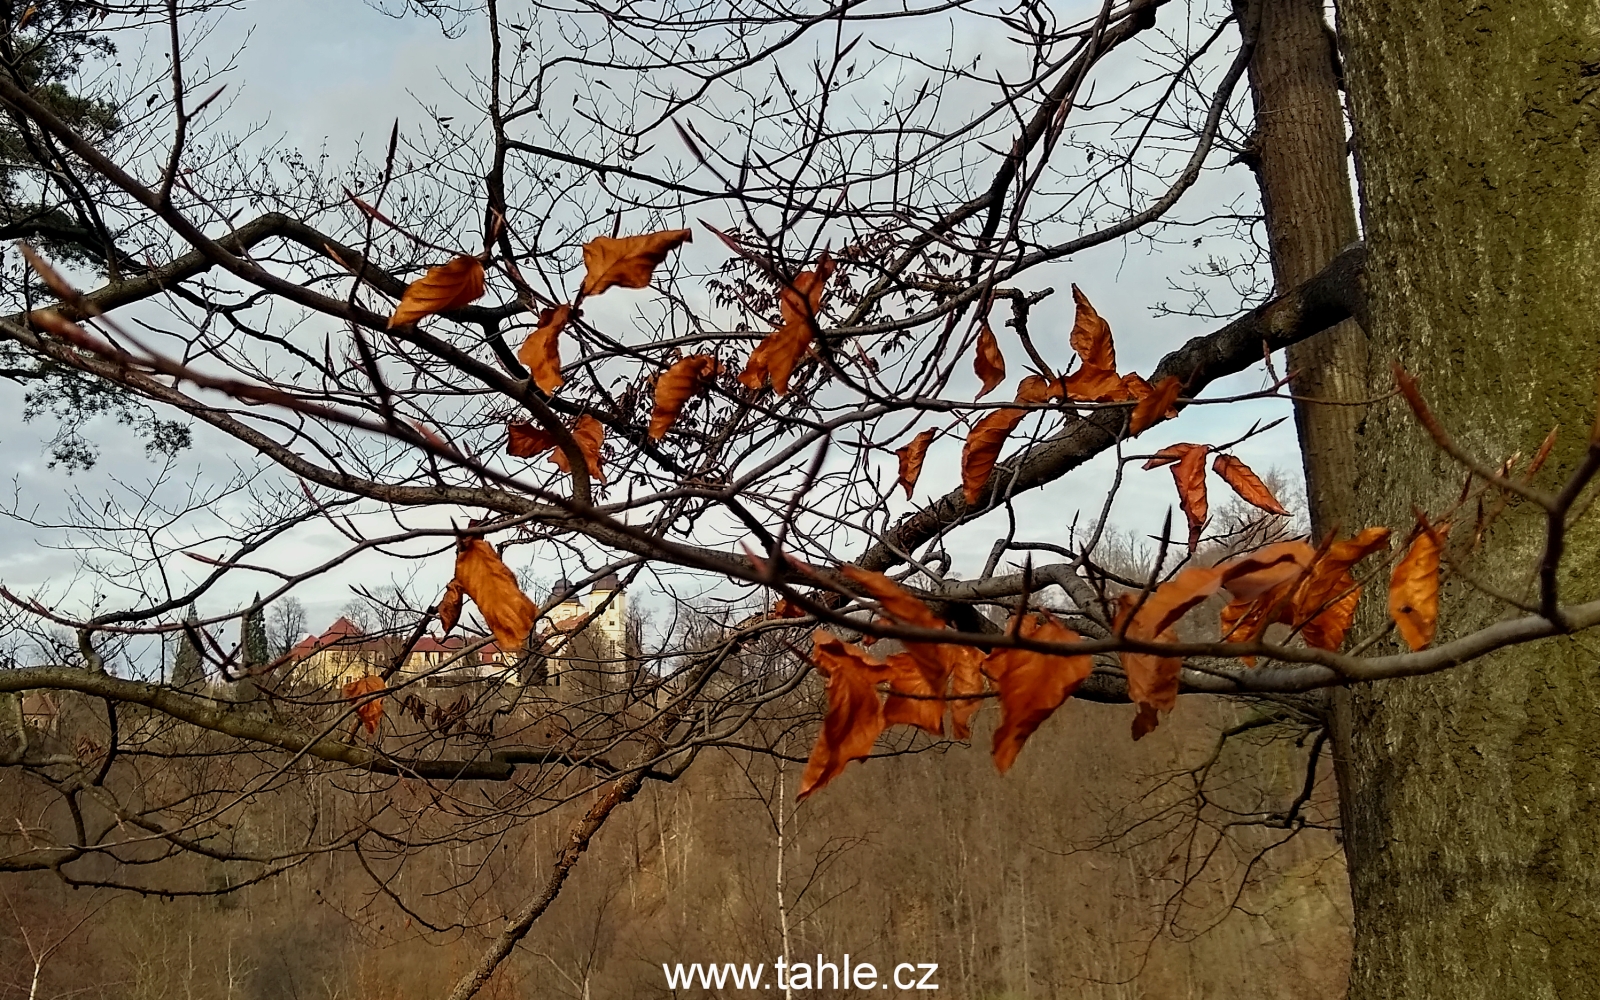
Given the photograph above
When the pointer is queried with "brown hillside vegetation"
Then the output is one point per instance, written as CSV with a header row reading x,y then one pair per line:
x,y
1090,870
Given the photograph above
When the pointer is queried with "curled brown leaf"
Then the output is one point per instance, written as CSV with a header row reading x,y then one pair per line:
x,y
1247,484
541,352
982,450
450,605
590,434
1091,335
1154,404
675,387
911,457
1152,678
916,693
1093,384
1249,576
989,364
448,286
370,710
777,355
1037,389
493,588
855,714
1189,473
627,261
524,440
966,688
1414,587
899,603
1032,685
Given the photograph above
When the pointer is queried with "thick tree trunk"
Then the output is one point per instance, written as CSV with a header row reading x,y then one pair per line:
x,y
1474,829
1300,164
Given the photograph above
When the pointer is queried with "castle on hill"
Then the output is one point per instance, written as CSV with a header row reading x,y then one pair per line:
x,y
581,635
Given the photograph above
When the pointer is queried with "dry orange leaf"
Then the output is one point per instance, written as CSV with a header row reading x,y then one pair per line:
x,y
1145,721
590,435
1153,679
450,605
801,302
1330,573
1091,335
1135,387
1414,587
966,688
1325,602
1174,599
492,587
988,363
933,660
1327,629
1032,685
982,450
1037,389
541,352
370,712
448,286
1189,473
524,440
916,693
911,457
920,676
1154,404
777,355
1093,384
628,261
1542,454
674,388
1251,575
1152,687
1293,584
1343,555
1244,619
855,715
1247,484
893,598
1166,456
785,609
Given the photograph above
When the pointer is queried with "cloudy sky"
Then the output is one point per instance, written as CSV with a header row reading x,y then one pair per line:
x,y
327,76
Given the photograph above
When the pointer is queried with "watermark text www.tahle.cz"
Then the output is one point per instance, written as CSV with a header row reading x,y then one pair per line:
x,y
787,975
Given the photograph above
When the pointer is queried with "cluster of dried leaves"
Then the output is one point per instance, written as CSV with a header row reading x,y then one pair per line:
x,y
627,262
1311,590
1094,381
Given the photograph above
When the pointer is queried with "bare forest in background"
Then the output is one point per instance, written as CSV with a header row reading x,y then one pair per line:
x,y
1091,871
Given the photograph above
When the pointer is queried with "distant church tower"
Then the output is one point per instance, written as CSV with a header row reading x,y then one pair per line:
x,y
611,625
601,648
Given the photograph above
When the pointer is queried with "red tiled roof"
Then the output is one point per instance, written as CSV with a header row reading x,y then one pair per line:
x,y
448,644
343,632
569,623
347,635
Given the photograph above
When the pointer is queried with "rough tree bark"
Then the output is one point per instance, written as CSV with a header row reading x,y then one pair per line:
x,y
1474,836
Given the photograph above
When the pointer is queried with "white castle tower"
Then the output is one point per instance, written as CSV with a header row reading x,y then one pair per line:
x,y
602,614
